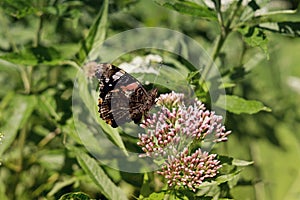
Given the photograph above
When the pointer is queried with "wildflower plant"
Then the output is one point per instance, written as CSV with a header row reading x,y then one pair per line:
x,y
174,136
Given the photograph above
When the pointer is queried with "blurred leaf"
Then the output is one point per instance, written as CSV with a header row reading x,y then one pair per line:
x,y
75,196
3,188
189,8
238,73
18,8
239,105
260,12
65,9
92,168
60,185
145,189
241,163
21,109
255,37
156,196
225,159
253,5
34,56
47,106
285,28
96,34
51,159
228,177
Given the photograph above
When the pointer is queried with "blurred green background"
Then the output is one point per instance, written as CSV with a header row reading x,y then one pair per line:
x,y
31,30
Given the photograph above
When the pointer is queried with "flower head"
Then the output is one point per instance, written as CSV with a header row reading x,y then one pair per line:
x,y
189,171
173,130
176,125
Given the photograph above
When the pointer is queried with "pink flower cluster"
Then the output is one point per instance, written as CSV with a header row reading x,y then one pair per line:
x,y
172,130
190,170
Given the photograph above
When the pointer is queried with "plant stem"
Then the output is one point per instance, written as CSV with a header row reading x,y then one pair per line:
x,y
225,31
25,75
219,43
21,142
39,31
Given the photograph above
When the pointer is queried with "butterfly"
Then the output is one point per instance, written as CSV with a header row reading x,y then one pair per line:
x,y
122,98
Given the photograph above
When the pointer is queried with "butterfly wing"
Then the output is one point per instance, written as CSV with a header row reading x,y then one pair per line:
x,y
121,97
141,102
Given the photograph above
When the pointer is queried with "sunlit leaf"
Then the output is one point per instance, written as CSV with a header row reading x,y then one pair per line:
x,y
285,28
156,196
189,8
58,186
255,37
241,163
239,105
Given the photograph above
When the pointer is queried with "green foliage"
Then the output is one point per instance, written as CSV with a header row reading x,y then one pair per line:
x,y
239,105
190,8
75,196
45,43
106,186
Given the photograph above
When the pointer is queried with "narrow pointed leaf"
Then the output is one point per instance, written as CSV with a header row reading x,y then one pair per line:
x,y
96,34
104,183
189,8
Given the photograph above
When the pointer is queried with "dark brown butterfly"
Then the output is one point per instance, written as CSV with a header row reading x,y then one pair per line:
x,y
122,98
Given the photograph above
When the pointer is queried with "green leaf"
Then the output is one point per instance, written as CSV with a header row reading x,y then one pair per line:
x,y
96,34
255,37
95,172
18,8
146,187
60,185
47,106
3,189
189,8
225,159
228,177
156,196
21,109
286,28
241,163
75,196
34,56
169,77
239,105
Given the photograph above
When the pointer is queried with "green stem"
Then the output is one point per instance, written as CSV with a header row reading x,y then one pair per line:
x,y
21,144
39,31
225,31
25,75
217,48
